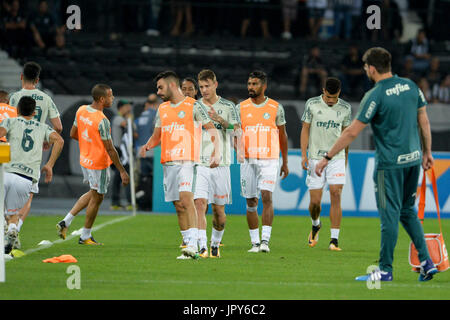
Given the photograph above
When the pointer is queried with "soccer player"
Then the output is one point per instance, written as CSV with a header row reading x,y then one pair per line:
x,y
324,119
263,136
396,109
26,137
214,185
45,108
189,87
92,130
178,129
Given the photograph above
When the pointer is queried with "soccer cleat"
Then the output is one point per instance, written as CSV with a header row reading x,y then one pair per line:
x,y
214,252
190,252
10,240
376,275
89,242
427,270
313,237
254,248
334,245
264,247
183,257
62,229
203,253
17,244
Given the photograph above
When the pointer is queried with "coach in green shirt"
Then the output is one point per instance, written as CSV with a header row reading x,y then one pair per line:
x,y
396,110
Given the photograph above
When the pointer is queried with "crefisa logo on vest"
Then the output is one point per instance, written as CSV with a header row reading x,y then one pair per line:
x,y
181,114
266,116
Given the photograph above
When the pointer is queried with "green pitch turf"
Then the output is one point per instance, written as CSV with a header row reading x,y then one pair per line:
x,y
138,261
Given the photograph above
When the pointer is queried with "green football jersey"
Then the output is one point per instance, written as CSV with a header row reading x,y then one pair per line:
x,y
45,107
226,110
391,108
325,125
26,138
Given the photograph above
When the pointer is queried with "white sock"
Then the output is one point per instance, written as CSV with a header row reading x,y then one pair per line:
x,y
85,234
68,219
202,239
254,235
216,237
315,223
265,234
185,235
19,225
193,238
335,233
12,227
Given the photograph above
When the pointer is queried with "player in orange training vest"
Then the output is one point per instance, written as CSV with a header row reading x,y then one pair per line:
x,y
178,128
263,136
92,130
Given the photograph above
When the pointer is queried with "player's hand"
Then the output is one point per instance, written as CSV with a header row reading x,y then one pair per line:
x,y
284,171
305,163
320,166
48,171
46,146
427,161
125,178
215,160
143,151
213,115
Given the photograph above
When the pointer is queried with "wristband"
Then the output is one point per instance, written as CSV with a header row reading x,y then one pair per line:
x,y
326,156
230,126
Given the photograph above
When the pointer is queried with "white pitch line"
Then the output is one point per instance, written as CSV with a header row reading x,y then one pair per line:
x,y
350,283
73,236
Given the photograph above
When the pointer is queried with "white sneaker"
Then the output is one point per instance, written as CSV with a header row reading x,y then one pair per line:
x,y
190,252
183,257
255,248
264,247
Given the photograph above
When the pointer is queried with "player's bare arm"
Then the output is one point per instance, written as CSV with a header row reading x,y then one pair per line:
x,y
346,149
74,133
215,139
284,170
57,142
304,140
56,124
347,137
3,132
112,152
425,136
154,141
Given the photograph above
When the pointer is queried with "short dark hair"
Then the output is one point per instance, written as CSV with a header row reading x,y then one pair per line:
x,y
207,74
378,57
26,106
167,75
100,90
332,85
261,75
4,97
31,71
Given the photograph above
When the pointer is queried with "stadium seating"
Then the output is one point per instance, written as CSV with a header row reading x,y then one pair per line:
x,y
131,62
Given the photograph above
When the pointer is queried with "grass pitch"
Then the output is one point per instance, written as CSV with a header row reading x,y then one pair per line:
x,y
138,261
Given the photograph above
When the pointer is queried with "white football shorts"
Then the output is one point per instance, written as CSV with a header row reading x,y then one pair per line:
x,y
214,185
257,175
98,179
17,192
334,173
179,178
